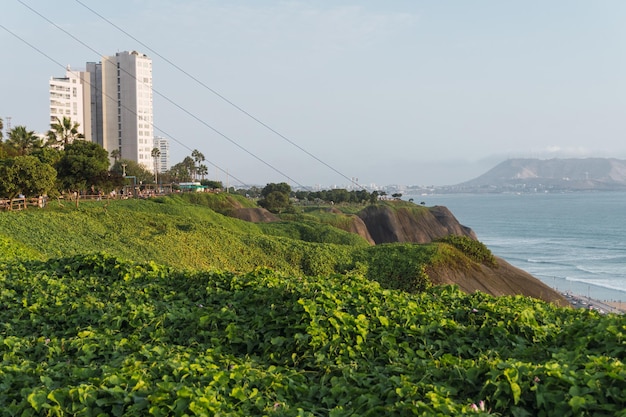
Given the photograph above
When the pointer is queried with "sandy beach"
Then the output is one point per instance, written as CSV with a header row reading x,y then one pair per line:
x,y
620,306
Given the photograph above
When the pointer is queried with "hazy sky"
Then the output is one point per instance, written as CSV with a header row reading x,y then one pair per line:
x,y
389,92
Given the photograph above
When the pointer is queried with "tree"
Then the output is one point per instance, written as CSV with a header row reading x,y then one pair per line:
x,y
116,154
212,184
189,163
133,169
275,202
282,187
25,175
178,173
252,192
275,197
338,195
3,152
202,171
82,165
156,154
198,157
47,155
63,132
110,180
23,141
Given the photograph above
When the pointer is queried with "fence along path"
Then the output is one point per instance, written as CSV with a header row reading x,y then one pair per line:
x,y
22,203
149,190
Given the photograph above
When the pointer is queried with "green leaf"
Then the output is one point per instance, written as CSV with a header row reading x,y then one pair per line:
x,y
38,399
239,393
577,403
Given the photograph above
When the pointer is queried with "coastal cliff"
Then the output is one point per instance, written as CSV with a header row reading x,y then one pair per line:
x,y
403,222
388,224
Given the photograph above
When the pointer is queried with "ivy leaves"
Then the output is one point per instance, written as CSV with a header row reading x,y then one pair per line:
x,y
92,334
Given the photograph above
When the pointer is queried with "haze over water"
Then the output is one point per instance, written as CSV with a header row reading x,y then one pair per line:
x,y
572,241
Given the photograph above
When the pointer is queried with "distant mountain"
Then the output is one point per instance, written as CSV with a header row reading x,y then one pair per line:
x,y
533,175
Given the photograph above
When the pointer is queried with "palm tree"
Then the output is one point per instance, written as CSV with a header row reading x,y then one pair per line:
x,y
63,132
23,141
116,154
203,170
2,151
197,157
190,165
156,153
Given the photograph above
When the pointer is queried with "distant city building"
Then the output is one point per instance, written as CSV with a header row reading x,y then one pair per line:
x,y
163,145
67,99
116,110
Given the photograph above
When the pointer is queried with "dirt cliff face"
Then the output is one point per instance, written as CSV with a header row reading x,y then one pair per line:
x,y
358,226
255,215
503,279
387,224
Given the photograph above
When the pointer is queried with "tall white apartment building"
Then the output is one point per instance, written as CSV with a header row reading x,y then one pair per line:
x,y
127,106
163,145
67,99
116,110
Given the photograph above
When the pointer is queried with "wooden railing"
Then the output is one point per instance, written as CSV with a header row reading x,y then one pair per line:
x,y
145,191
22,203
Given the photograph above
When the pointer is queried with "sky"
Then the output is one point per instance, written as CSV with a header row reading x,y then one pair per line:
x,y
406,92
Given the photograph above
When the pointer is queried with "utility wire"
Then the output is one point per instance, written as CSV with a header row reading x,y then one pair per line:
x,y
170,100
112,98
222,97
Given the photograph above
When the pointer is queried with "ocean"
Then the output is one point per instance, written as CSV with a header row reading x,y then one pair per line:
x,y
573,242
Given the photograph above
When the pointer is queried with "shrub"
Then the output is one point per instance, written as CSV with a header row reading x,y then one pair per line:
x,y
473,249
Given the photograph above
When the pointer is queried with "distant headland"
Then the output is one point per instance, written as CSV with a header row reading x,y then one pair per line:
x,y
528,175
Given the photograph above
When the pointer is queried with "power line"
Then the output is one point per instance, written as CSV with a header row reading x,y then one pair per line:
x,y
222,97
169,100
112,98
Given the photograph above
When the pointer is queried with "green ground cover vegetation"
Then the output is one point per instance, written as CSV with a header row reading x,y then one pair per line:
x,y
163,307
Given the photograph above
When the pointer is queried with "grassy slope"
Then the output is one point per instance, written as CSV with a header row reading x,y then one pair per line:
x,y
168,231
173,232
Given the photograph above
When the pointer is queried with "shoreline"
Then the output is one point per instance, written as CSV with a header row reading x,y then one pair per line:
x,y
585,289
602,306
619,306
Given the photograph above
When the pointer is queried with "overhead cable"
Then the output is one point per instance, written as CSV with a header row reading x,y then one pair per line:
x,y
171,101
222,97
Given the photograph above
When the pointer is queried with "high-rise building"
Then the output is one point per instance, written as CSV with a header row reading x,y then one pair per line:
x,y
67,99
116,110
163,162
96,116
127,106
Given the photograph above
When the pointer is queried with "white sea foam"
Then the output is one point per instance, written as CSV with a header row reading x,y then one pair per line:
x,y
618,285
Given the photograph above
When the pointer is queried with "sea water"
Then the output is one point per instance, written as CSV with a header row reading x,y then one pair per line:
x,y
573,242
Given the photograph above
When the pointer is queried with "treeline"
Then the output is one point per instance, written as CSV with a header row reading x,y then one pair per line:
x,y
339,195
332,196
61,161
32,166
280,198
